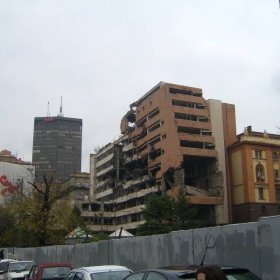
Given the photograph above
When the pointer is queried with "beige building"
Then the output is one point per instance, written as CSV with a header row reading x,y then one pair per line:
x,y
255,181
80,188
6,156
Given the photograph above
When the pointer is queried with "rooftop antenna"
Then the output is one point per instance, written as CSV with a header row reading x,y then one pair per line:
x,y
48,110
278,128
60,111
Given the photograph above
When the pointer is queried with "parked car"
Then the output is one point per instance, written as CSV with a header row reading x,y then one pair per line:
x,y
49,271
102,272
3,266
17,270
188,272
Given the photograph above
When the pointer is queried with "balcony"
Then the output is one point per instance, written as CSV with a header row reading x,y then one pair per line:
x,y
138,181
105,193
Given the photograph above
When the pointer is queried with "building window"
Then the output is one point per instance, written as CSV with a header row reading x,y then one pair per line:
x,y
274,156
79,196
261,196
277,194
260,173
276,175
258,154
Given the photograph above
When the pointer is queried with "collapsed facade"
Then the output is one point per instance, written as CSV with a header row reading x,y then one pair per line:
x,y
171,137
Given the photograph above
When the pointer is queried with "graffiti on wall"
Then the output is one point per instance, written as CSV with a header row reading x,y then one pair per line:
x,y
8,187
13,180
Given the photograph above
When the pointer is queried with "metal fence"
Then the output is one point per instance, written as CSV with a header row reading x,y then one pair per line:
x,y
253,245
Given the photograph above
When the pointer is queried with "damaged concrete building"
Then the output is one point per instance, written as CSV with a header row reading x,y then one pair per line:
x,y
171,137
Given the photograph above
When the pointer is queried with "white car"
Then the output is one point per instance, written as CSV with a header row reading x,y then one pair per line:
x,y
102,272
3,266
18,270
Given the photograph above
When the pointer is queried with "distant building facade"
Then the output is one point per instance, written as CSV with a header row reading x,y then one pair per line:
x,y
79,182
14,177
57,146
171,137
255,180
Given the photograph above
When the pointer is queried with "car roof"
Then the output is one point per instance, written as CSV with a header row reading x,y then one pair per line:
x,y
103,268
23,261
54,264
195,267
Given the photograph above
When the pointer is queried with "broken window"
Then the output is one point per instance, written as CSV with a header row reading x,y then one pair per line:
x,y
153,113
154,153
190,117
190,130
154,140
183,103
180,91
153,126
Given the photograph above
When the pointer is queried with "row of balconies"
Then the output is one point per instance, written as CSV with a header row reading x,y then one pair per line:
x,y
105,193
141,180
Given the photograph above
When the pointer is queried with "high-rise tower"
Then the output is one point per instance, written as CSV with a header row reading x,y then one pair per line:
x,y
57,146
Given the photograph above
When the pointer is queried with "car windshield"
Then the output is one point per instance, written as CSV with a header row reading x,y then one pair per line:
x,y
20,266
51,272
244,276
110,275
236,276
3,265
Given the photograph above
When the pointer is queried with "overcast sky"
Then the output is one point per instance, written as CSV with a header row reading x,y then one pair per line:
x,y
101,56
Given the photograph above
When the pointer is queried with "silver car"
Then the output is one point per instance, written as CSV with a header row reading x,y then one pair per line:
x,y
102,272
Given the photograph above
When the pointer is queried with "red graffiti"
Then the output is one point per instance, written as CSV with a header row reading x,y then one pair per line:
x,y
9,186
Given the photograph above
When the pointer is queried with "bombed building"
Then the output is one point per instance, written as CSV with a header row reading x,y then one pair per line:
x,y
171,137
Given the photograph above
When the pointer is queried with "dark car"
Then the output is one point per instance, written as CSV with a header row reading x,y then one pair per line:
x,y
188,272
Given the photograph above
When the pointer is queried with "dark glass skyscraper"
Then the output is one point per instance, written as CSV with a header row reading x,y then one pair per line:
x,y
57,146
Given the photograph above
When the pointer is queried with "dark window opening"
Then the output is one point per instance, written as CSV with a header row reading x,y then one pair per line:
x,y
154,140
184,92
261,195
190,130
189,117
153,127
198,145
277,194
154,153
